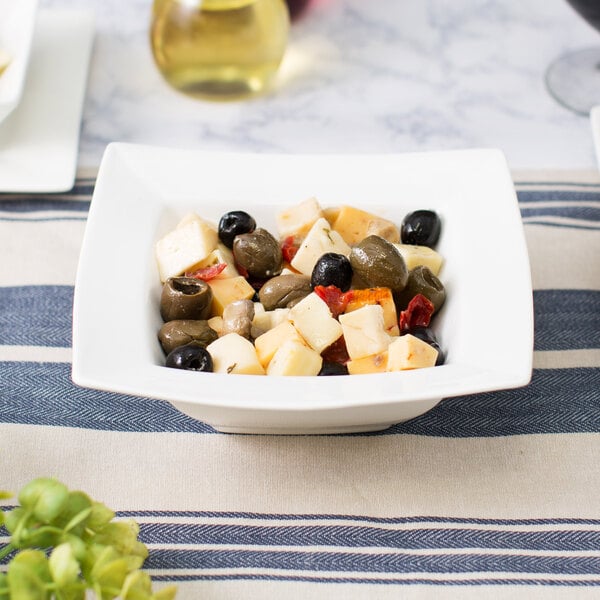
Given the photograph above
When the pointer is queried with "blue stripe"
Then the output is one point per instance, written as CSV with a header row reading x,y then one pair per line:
x,y
41,316
582,213
43,394
566,319
372,563
29,204
363,518
557,195
514,581
36,315
367,536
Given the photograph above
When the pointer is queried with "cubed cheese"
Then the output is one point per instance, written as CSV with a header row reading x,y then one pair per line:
x,y
298,219
420,255
381,296
220,255
319,240
191,242
295,358
355,225
409,352
312,318
364,331
376,363
233,353
267,319
216,323
226,291
269,342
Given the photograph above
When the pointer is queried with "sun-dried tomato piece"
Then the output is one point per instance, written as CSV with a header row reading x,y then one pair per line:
x,y
417,314
337,352
207,273
335,299
289,247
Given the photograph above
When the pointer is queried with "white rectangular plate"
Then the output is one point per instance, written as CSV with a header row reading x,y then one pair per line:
x,y
486,325
39,140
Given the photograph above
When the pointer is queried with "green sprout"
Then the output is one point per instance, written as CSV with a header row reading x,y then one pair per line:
x,y
65,545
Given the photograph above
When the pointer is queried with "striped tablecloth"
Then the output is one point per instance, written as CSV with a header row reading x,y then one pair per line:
x,y
494,495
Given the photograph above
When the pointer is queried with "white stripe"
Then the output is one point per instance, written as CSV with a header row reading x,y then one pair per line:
x,y
341,522
560,203
35,354
46,215
566,359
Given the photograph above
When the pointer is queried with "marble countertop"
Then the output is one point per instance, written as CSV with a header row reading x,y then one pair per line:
x,y
375,76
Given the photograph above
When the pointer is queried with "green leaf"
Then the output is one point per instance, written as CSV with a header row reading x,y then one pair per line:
x,y
122,535
4,589
75,513
28,576
100,516
4,495
13,517
64,567
111,575
41,537
137,586
167,593
46,498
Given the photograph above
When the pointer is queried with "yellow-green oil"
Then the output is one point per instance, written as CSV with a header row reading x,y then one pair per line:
x,y
219,49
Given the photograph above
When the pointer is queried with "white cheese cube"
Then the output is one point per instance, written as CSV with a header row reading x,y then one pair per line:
x,y
294,358
312,318
220,255
184,247
320,239
264,320
216,323
415,256
409,352
269,342
298,219
233,353
364,331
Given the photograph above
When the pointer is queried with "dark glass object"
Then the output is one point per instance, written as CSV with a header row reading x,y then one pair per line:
x,y
574,79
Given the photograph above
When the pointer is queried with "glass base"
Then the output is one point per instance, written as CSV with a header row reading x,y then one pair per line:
x,y
574,80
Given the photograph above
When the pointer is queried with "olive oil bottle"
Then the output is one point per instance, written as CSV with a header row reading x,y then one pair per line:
x,y
219,49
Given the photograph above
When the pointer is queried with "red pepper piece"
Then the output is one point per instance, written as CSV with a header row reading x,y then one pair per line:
x,y
337,352
336,300
207,273
417,314
289,247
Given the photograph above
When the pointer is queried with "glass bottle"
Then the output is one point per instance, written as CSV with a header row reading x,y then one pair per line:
x,y
219,49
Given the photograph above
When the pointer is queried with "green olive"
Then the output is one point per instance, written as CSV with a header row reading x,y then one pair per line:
x,y
185,298
259,253
422,281
284,291
184,331
377,263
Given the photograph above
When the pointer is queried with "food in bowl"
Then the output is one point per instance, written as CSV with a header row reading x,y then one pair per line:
x,y
337,291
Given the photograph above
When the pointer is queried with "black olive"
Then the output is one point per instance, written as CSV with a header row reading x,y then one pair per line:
x,y
183,331
191,357
377,263
422,281
425,334
259,253
235,223
185,298
333,368
421,228
332,269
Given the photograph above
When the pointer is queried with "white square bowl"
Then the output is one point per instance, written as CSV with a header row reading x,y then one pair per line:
x,y
485,326
17,26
